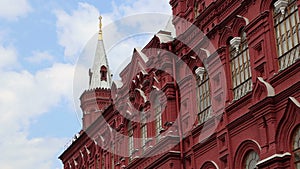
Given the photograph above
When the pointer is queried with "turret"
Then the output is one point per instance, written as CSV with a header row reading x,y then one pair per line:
x,y
98,96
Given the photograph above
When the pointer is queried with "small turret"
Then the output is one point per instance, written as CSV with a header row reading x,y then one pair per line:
x,y
98,96
100,76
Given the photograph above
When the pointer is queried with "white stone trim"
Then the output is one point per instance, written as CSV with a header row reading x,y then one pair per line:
x,y
273,156
281,5
235,43
256,144
295,101
208,54
200,71
270,88
246,19
217,167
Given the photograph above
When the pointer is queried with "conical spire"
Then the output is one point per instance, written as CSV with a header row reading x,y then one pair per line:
x,y
100,76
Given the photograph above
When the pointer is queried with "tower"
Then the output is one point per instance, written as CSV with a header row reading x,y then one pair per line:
x,y
98,96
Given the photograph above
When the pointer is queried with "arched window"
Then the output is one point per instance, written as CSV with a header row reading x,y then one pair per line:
x,y
209,165
130,140
103,73
251,160
296,147
286,25
240,66
143,129
203,95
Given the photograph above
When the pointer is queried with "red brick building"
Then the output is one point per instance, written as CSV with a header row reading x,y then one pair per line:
x,y
225,98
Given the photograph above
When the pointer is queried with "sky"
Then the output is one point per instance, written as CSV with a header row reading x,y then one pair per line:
x,y
46,48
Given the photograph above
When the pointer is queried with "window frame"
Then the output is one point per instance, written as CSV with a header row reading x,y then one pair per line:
x,y
240,67
143,129
287,44
158,118
130,140
249,157
203,98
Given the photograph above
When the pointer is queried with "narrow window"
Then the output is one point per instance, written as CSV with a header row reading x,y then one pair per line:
x,y
112,157
103,73
240,66
130,141
103,161
143,129
286,26
203,95
196,9
158,119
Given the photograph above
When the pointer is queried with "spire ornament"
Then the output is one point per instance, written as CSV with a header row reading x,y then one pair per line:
x,y
100,37
100,76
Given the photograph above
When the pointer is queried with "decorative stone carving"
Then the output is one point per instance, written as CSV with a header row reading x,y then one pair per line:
x,y
245,19
281,5
235,43
262,89
200,71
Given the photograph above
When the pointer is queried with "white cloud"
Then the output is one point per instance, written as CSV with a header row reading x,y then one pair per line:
x,y
142,6
20,152
35,93
13,9
8,56
76,28
139,19
39,57
24,97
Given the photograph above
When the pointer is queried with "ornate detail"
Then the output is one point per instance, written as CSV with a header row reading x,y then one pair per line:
x,y
262,89
226,33
287,123
281,5
238,23
235,43
243,149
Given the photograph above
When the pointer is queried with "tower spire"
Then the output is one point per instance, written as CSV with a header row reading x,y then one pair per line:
x,y
100,76
100,37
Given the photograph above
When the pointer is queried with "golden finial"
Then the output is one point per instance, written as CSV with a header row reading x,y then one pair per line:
x,y
100,28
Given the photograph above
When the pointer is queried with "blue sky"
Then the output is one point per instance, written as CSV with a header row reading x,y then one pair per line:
x,y
41,43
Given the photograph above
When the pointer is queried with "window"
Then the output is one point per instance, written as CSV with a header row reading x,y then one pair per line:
x,y
286,25
196,9
203,95
103,73
158,119
240,66
143,129
251,160
130,141
112,157
97,162
296,148
103,161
